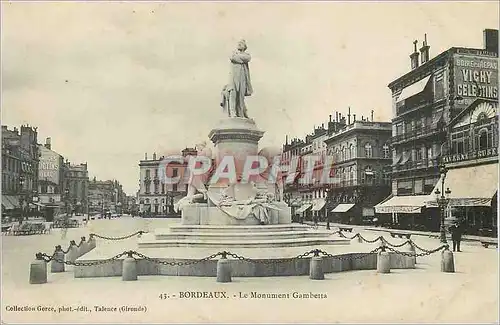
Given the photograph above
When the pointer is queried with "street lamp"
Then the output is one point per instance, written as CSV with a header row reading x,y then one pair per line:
x,y
66,201
327,190
442,198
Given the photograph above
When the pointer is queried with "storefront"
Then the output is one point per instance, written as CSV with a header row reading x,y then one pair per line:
x,y
408,212
318,208
473,196
343,213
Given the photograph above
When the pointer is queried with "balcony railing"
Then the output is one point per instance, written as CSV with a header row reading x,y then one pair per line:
x,y
405,108
415,134
413,165
340,184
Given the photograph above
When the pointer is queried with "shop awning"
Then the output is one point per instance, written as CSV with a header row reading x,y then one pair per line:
x,y
343,207
470,186
405,159
303,208
318,204
413,89
404,204
10,202
397,159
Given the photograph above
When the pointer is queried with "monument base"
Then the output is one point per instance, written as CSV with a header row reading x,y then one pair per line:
x,y
203,214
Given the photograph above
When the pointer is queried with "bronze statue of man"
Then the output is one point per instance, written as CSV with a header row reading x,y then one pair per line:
x,y
239,85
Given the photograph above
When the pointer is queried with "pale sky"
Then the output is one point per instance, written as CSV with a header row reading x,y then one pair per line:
x,y
111,81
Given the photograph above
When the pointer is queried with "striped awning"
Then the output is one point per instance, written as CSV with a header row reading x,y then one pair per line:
x,y
414,89
343,207
470,186
10,202
318,204
404,204
303,208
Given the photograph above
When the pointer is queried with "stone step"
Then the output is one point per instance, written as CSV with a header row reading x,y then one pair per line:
x,y
242,236
234,229
239,243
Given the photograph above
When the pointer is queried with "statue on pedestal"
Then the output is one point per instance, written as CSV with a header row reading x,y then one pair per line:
x,y
233,94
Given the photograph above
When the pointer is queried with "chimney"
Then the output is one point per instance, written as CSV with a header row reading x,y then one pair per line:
x,y
372,115
322,125
414,56
330,118
354,117
48,143
154,156
336,116
286,139
424,50
490,40
146,156
349,116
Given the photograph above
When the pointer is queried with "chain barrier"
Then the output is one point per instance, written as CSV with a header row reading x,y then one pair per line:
x,y
429,252
158,261
316,252
140,232
352,256
383,239
276,261
420,248
48,258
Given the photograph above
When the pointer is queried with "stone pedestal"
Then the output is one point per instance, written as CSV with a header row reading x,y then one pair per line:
x,y
235,138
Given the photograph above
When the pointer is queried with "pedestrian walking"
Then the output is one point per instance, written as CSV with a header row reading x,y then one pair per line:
x,y
456,236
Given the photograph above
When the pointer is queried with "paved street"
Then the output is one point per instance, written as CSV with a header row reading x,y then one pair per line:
x,y
419,295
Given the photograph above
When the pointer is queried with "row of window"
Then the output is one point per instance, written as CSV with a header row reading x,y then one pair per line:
x,y
11,165
413,125
346,153
416,186
175,172
147,188
465,141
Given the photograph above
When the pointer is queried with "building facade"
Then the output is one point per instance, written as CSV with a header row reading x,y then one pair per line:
x,y
361,152
51,173
472,163
76,182
106,197
355,154
156,197
20,160
425,101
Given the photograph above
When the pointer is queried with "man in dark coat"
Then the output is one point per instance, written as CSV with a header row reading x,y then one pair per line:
x,y
456,236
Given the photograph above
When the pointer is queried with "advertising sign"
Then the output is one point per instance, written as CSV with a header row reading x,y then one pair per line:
x,y
476,76
48,168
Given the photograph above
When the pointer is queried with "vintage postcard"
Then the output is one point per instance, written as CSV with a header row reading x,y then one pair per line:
x,y
249,162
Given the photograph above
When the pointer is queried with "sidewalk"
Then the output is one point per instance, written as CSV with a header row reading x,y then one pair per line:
x,y
412,232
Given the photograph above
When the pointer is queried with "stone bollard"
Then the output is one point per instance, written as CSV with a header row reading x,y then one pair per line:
x,y
91,244
383,261
411,248
82,247
57,263
72,254
129,268
409,260
316,267
223,269
447,261
38,270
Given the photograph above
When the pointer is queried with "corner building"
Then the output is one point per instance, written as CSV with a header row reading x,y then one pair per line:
x,y
427,101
